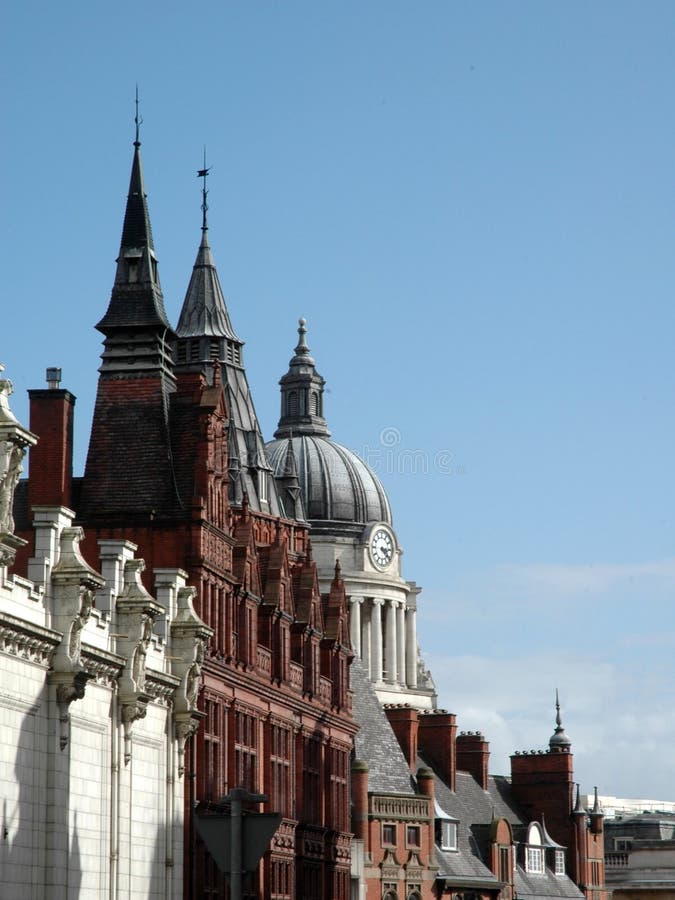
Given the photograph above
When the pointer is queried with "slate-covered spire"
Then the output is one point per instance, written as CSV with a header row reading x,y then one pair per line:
x,y
205,334
136,299
129,470
559,742
302,394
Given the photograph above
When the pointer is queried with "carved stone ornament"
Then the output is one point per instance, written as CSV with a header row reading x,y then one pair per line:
x,y
14,439
189,636
74,583
136,614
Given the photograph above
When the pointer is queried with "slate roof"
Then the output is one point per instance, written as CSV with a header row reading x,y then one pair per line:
x,y
376,744
203,315
337,486
475,809
139,304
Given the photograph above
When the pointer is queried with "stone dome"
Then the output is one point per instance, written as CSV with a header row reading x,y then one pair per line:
x,y
337,487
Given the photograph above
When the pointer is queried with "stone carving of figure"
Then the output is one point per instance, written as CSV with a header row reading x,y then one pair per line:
x,y
140,653
192,681
11,456
80,620
6,388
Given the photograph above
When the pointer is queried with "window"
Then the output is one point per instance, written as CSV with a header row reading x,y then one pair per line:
x,y
448,835
280,770
534,860
246,750
262,485
292,404
339,788
506,866
388,835
559,862
311,780
412,836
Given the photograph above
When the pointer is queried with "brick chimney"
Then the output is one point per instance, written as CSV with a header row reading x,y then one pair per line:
x,y
404,721
473,756
543,783
436,738
51,461
360,801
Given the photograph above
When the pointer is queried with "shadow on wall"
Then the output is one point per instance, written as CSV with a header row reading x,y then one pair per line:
x,y
34,828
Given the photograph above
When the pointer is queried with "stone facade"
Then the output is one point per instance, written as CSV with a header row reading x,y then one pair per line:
x,y
90,746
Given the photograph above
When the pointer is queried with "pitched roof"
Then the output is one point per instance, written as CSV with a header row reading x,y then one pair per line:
x,y
376,743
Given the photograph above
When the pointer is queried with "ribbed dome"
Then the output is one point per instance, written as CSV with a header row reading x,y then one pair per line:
x,y
337,487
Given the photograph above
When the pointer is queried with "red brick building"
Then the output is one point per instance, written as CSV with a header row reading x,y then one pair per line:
x,y
176,466
434,823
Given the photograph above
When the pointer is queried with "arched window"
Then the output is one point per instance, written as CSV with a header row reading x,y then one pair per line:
x,y
314,403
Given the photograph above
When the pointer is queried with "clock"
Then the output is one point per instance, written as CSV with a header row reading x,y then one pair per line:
x,y
381,548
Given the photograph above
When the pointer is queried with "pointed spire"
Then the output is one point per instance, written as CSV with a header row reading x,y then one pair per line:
x,y
204,328
302,394
136,304
597,811
578,806
559,742
338,570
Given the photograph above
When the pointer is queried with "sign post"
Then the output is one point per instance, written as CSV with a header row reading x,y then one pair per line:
x,y
236,839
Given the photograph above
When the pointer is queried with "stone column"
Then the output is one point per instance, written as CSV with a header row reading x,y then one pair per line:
x,y
411,647
366,654
390,643
355,623
400,642
376,640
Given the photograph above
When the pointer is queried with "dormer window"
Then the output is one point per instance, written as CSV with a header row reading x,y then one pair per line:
x,y
448,835
534,860
559,862
534,850
446,828
133,271
262,485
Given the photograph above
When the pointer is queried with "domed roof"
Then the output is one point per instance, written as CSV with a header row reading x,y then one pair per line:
x,y
340,493
337,487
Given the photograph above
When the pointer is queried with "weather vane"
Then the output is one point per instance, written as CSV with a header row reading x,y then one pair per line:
x,y
202,173
139,121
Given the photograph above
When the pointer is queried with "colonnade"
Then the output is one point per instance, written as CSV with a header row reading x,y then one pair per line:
x,y
384,635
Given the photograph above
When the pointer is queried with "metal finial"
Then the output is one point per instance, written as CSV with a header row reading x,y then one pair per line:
x,y
138,121
302,342
558,720
202,173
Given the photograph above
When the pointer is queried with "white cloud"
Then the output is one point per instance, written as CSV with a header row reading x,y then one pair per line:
x,y
621,734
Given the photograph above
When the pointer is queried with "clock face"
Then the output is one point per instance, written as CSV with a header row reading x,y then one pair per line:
x,y
381,548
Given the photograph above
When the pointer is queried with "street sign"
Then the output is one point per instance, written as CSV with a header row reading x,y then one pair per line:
x,y
257,828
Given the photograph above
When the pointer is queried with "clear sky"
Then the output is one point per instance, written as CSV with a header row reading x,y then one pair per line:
x,y
473,205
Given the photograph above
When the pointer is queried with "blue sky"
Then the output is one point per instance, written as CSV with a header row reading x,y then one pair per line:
x,y
473,205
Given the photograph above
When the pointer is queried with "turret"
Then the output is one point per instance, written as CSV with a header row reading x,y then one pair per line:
x,y
302,394
205,334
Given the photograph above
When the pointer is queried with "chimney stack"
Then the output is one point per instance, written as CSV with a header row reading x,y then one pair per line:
x,y
51,462
404,721
436,737
473,756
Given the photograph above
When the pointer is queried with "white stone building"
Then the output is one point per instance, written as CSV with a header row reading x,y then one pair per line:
x,y
97,698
